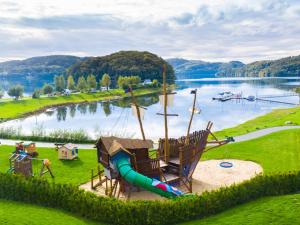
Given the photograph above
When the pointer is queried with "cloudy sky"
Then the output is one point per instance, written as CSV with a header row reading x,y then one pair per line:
x,y
213,30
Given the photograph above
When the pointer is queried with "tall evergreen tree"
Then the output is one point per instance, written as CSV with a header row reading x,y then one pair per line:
x,y
91,81
1,93
81,84
105,81
71,83
60,83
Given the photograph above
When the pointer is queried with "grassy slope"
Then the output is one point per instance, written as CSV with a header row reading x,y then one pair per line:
x,y
15,213
277,152
14,109
275,118
270,210
74,172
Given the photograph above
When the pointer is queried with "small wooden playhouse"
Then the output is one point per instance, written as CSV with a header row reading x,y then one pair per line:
x,y
67,151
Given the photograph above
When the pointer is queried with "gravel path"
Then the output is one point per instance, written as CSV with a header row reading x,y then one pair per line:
x,y
263,132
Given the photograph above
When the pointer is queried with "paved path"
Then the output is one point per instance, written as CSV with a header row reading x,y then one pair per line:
x,y
245,137
263,132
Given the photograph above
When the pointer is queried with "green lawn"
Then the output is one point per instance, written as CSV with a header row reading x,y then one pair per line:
x,y
74,172
275,118
277,152
16,213
270,210
14,109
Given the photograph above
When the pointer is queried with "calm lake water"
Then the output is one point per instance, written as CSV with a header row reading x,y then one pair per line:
x,y
116,117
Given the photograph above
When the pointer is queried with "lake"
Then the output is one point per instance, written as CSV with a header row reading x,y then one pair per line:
x,y
116,117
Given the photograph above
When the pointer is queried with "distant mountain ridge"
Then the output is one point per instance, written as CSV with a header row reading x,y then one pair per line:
x,y
284,67
40,64
34,72
185,69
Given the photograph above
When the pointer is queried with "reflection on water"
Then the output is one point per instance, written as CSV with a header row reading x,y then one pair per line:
x,y
115,117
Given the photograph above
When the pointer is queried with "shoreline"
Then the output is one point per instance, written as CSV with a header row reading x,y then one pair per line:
x,y
77,100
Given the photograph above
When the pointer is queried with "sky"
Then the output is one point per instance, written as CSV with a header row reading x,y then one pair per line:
x,y
211,30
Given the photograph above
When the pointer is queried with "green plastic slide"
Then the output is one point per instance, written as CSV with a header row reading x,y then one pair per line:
x,y
131,176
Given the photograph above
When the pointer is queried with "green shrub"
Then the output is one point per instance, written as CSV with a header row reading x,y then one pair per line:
x,y
39,134
36,93
72,199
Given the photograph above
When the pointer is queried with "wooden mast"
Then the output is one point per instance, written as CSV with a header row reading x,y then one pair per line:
x,y
138,113
166,144
192,115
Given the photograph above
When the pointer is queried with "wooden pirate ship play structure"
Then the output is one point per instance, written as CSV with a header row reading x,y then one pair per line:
x,y
128,165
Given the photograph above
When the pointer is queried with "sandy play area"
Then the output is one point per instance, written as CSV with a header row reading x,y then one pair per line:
x,y
209,175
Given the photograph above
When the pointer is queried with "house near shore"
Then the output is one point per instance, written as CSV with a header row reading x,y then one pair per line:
x,y
147,82
104,88
67,92
67,151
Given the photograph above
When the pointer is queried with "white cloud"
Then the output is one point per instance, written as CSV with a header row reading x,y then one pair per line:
x,y
209,30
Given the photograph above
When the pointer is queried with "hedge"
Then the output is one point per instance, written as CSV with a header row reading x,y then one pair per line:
x,y
112,211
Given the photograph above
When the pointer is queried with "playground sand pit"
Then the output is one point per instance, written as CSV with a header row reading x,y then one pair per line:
x,y
208,175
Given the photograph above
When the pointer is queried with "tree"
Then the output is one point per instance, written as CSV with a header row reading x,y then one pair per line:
x,y
36,93
91,81
81,84
47,89
155,83
16,91
125,82
297,90
1,93
122,82
105,81
71,83
60,83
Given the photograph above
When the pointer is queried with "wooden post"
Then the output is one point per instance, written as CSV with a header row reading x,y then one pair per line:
x,y
138,113
92,178
106,188
166,144
192,115
111,186
99,174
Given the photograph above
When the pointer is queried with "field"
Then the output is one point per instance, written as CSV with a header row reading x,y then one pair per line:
x,y
72,172
16,213
270,210
277,117
15,109
277,152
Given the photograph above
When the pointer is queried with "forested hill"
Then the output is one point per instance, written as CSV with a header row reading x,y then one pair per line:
x,y
189,69
284,67
143,64
37,65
